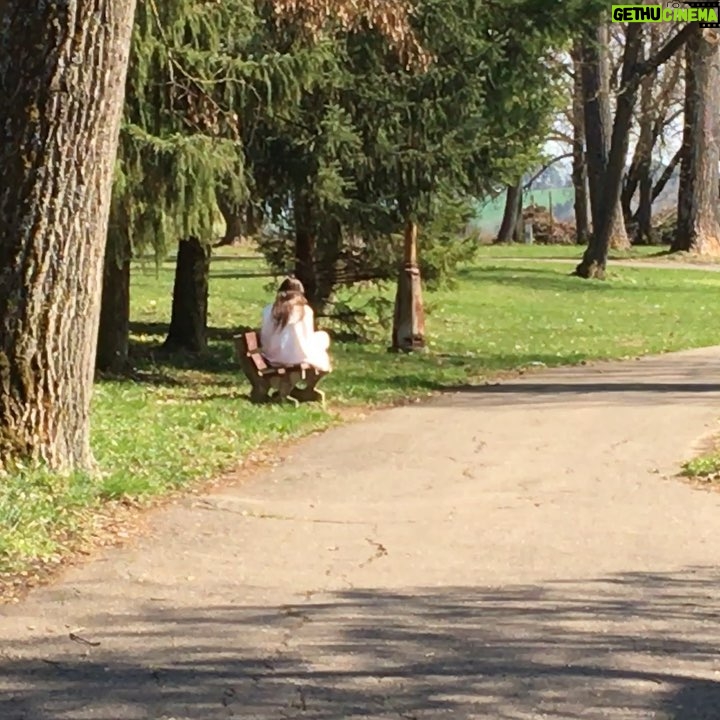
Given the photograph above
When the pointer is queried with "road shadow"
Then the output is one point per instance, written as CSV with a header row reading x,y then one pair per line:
x,y
629,646
654,380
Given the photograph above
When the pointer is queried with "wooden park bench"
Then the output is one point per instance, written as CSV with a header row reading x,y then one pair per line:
x,y
296,383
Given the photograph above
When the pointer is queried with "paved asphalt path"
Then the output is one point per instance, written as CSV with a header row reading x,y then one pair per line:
x,y
502,552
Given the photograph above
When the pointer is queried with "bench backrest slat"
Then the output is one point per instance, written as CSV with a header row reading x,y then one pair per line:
x,y
258,361
251,341
248,347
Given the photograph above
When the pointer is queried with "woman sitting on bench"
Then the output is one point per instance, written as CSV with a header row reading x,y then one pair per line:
x,y
288,336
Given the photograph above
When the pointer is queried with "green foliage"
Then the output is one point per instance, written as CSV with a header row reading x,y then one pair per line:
x,y
447,245
170,425
175,141
705,468
200,75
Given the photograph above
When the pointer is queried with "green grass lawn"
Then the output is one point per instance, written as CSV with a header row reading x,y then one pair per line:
x,y
705,468
180,422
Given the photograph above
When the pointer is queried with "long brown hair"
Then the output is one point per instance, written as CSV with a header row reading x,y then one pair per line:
x,y
290,294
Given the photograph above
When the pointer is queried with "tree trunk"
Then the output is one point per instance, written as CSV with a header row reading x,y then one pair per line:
x,y
596,131
643,231
114,331
513,200
597,144
326,261
234,228
606,160
640,173
409,318
579,165
698,223
519,231
63,69
241,220
618,239
188,324
305,246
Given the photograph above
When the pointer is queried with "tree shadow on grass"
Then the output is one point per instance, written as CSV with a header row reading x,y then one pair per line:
x,y
235,275
147,353
158,331
151,364
553,280
632,646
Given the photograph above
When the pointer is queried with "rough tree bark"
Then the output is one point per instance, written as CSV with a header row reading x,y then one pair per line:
x,y
698,224
619,239
409,319
114,331
579,164
597,143
188,322
513,203
62,71
642,162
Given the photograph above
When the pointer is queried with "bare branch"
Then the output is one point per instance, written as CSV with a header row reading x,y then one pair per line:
x,y
561,137
664,54
666,174
545,167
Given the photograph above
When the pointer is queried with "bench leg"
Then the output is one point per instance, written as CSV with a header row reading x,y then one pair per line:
x,y
260,392
310,393
285,397
284,389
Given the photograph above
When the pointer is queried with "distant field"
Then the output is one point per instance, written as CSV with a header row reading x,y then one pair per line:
x,y
489,214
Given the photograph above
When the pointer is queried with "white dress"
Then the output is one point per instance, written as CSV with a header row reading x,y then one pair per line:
x,y
297,342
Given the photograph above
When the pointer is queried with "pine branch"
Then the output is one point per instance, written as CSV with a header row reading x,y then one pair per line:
x,y
196,83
